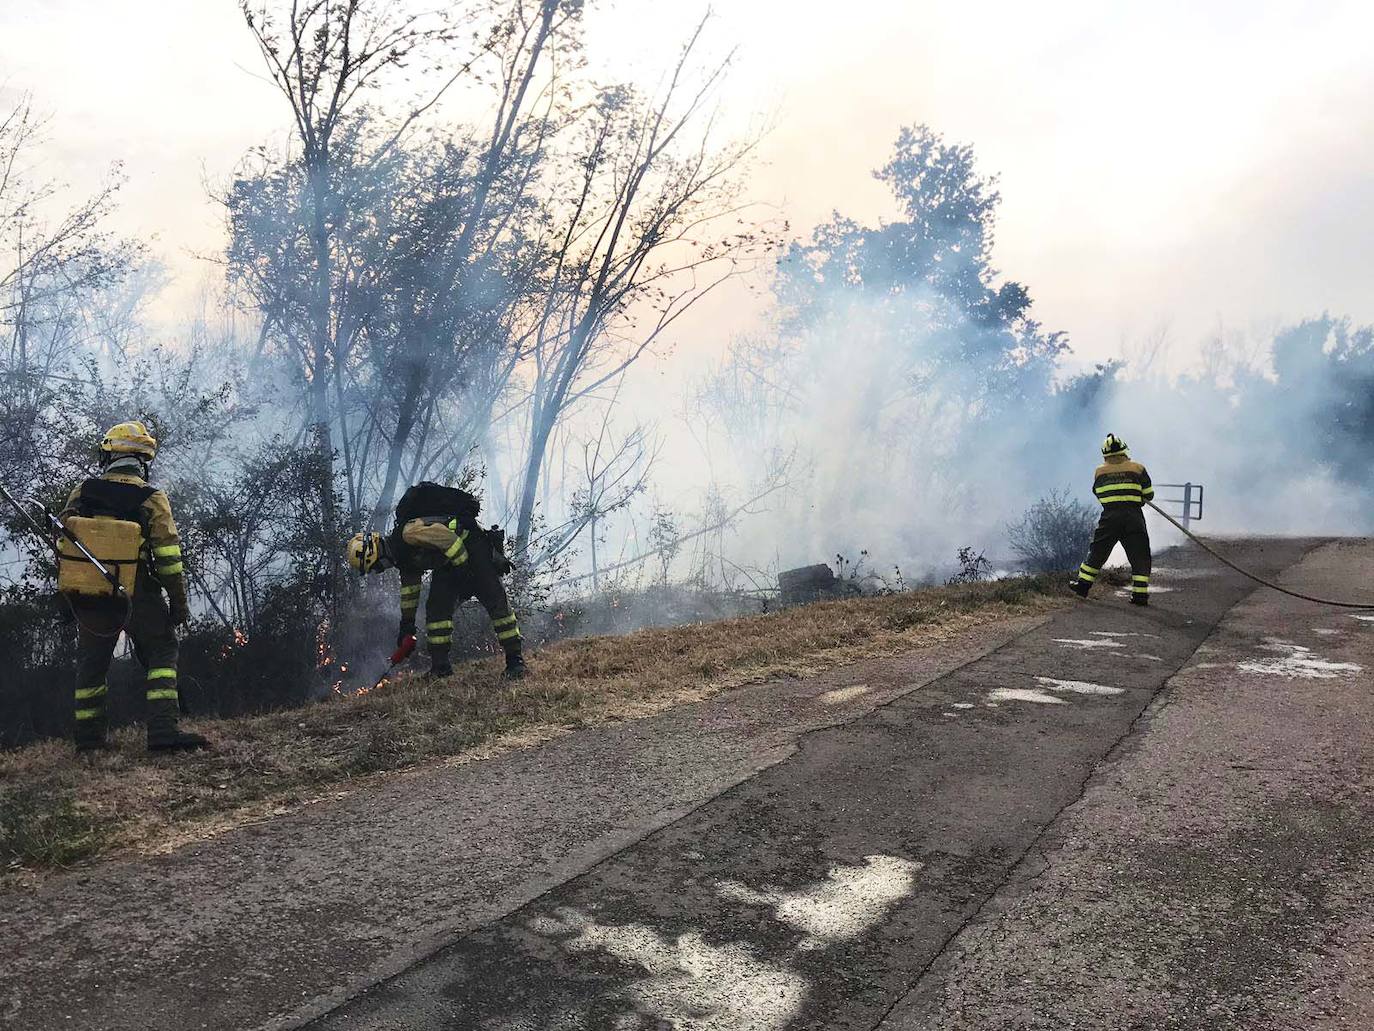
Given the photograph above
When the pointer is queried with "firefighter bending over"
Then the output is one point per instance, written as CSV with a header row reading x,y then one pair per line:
x,y
1123,487
436,530
131,523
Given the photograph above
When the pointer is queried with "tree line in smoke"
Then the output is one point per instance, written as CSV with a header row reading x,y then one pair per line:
x,y
449,268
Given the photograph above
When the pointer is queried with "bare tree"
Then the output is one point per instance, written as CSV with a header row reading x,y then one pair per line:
x,y
641,244
54,259
611,470
325,57
471,264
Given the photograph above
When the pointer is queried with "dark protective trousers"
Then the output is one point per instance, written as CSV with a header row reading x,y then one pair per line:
x,y
155,644
450,587
1122,522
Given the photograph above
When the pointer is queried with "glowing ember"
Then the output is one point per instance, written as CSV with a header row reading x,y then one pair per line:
x,y
240,639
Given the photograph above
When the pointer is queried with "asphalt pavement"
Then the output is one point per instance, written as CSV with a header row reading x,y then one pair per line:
x,y
1110,818
269,924
855,883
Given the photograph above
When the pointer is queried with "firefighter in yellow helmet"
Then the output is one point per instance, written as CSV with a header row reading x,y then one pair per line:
x,y
437,532
122,492
1122,487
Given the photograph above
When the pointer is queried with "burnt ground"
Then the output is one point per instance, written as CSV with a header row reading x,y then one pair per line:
x,y
1084,821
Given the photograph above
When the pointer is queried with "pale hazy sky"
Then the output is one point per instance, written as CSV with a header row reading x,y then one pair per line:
x,y
1166,164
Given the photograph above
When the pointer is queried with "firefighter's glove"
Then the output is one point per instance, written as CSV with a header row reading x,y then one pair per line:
x,y
407,630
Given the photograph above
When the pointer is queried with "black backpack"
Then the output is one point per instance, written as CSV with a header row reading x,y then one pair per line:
x,y
432,499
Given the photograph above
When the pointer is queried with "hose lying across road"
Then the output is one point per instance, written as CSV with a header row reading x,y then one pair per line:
x,y
1258,579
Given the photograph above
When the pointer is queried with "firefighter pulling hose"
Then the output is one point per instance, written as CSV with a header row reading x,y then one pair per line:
x,y
1123,488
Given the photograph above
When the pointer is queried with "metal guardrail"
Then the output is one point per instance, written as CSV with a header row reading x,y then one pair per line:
x,y
1191,500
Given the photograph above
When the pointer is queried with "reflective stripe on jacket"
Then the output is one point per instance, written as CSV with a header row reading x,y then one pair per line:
x,y
1119,480
433,542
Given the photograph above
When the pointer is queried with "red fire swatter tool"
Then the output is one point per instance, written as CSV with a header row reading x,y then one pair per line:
x,y
399,656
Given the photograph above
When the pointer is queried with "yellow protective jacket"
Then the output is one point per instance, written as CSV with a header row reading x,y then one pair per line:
x,y
1120,481
162,545
432,542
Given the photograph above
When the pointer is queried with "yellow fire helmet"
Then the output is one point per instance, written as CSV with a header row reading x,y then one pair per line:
x,y
130,438
1113,445
365,551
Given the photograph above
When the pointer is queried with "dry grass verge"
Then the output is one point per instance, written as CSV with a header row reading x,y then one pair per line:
x,y
57,808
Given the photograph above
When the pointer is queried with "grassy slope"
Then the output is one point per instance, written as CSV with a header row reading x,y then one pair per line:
x,y
57,809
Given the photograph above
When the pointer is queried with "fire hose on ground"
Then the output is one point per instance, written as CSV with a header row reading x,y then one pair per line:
x,y
1258,579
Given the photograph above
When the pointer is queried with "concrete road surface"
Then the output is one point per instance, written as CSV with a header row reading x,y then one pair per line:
x,y
1116,818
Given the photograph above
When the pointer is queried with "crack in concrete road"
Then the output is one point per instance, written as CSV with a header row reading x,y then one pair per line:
x,y
1032,848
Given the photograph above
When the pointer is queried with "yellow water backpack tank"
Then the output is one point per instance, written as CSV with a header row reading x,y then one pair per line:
x,y
107,518
116,542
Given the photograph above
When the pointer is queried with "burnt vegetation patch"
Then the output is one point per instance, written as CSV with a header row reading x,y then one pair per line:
x,y
57,809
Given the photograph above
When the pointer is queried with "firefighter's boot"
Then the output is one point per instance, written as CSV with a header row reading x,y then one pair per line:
x,y
1080,587
440,668
515,665
175,740
164,710
1142,600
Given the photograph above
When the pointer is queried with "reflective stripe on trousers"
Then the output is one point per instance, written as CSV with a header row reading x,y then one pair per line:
x,y
160,694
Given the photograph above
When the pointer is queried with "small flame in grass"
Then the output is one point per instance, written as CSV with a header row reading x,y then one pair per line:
x,y
323,655
325,660
240,639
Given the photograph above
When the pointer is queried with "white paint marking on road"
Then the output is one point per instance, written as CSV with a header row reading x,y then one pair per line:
x,y
1024,694
690,984
963,705
840,908
1079,686
1297,661
1364,619
1085,645
1149,658
842,694
1121,633
1325,632
1125,592
1278,644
